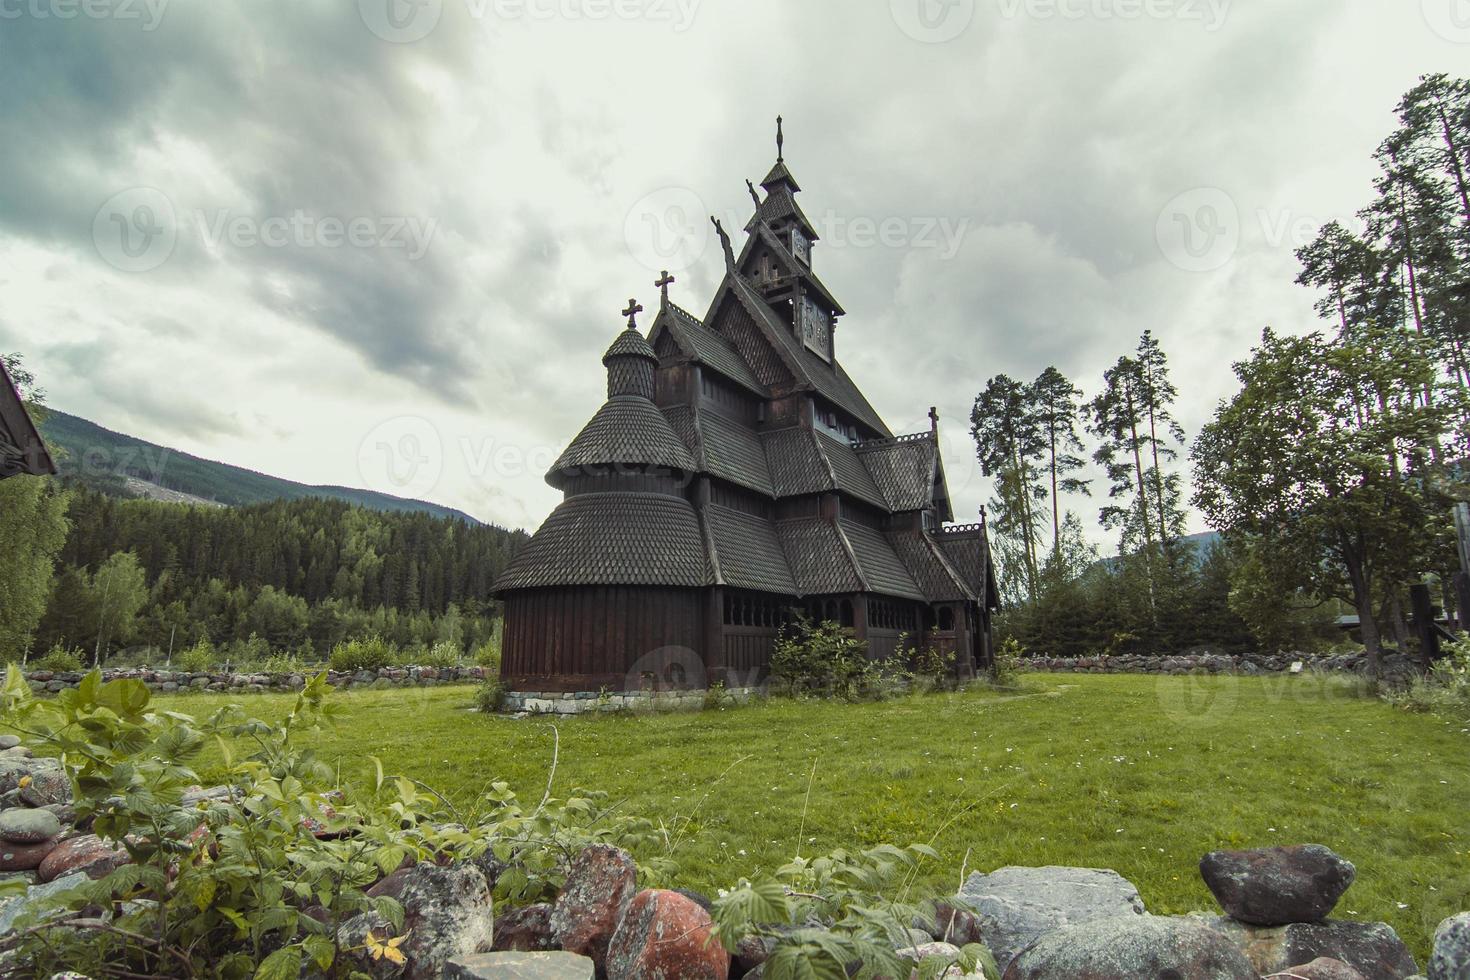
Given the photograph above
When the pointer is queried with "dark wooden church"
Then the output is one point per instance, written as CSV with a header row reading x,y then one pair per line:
x,y
736,477
21,449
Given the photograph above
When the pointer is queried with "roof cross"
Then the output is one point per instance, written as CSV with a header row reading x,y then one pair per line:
x,y
663,283
634,308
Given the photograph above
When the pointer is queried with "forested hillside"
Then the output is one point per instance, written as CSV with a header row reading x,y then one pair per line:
x,y
296,575
105,460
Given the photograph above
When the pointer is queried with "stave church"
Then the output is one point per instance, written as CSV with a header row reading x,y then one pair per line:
x,y
735,481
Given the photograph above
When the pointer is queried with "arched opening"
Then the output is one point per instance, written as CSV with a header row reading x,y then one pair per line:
x,y
847,617
946,619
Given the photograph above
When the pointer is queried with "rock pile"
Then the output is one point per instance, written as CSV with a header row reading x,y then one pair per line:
x,y
166,681
1393,668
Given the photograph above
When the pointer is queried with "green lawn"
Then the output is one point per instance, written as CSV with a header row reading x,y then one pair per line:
x,y
1139,774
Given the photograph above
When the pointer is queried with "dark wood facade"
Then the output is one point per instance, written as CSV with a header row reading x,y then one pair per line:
x,y
735,479
21,448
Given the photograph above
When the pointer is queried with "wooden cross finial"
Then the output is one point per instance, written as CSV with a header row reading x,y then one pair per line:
x,y
632,313
664,280
933,419
780,142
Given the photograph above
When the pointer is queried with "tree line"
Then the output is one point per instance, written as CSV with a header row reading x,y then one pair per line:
x,y
1331,475
91,572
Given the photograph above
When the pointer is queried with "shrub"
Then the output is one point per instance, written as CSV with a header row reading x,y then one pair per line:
x,y
490,697
442,655
198,659
281,664
59,660
370,653
1007,665
1446,691
823,659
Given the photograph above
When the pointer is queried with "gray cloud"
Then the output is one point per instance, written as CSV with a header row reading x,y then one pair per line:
x,y
525,142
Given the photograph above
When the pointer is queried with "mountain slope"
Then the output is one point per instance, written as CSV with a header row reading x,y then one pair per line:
x,y
126,466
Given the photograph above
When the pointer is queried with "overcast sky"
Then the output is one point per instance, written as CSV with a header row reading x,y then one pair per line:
x,y
384,243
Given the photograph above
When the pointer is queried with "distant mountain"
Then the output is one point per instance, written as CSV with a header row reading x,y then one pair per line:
x,y
122,465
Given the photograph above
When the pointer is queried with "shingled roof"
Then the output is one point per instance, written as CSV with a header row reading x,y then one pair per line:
x,y
748,553
878,563
613,539
831,381
703,346
819,559
903,469
626,431
939,580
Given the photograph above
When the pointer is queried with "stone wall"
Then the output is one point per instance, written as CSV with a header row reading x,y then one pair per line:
x,y
581,702
170,681
1393,666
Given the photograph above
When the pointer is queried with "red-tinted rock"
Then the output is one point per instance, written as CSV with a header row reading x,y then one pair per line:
x,y
526,930
24,857
664,934
1279,885
1324,969
390,885
89,854
602,880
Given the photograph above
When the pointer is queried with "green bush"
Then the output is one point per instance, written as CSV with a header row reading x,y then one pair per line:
x,y
1007,667
1446,691
58,660
198,659
371,653
821,659
441,655
490,696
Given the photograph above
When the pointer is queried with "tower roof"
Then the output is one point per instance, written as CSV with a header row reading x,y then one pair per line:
x,y
626,431
629,343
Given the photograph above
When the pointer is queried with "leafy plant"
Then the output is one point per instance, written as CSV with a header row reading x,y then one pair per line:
x,y
828,914
58,660
490,696
441,655
821,659
372,653
198,659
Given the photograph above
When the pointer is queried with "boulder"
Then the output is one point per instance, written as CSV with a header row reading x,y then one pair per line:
x,y
18,826
526,929
10,741
447,913
1131,947
520,966
1279,885
24,857
1016,905
87,854
751,952
664,934
1371,948
390,885
1451,959
46,787
1323,968
599,886
12,909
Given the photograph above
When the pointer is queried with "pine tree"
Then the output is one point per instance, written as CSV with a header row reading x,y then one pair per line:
x,y
1058,412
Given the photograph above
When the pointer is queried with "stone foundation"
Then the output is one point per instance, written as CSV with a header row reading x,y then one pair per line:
x,y
584,702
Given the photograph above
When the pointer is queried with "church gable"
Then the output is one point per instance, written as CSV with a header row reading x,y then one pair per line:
x,y
734,322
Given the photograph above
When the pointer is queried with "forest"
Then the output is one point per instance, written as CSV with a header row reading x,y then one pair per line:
x,y
1331,476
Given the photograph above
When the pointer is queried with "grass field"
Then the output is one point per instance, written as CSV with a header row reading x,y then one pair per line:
x,y
1139,774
